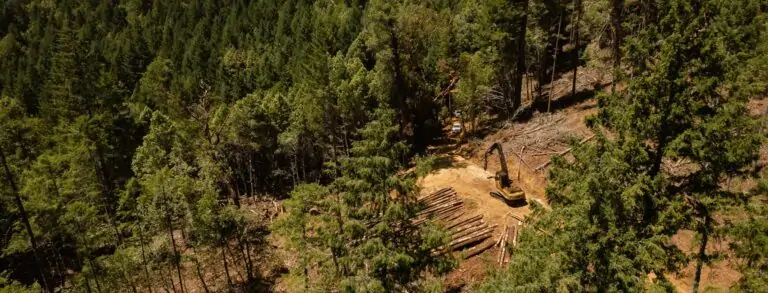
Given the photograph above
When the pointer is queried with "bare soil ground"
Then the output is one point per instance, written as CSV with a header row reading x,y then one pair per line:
x,y
473,186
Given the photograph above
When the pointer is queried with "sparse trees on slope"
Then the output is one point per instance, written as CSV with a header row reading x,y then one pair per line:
x,y
616,206
356,235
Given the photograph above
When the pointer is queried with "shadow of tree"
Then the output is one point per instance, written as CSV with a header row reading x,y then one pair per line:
x,y
447,162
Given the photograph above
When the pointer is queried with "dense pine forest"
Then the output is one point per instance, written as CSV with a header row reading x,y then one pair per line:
x,y
176,146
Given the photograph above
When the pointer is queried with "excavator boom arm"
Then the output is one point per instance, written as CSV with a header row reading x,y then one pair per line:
x,y
502,159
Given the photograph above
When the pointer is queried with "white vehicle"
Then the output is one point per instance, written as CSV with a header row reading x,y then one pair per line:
x,y
456,128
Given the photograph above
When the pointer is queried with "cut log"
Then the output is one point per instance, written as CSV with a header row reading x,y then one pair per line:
x,y
478,249
439,197
454,216
450,213
464,222
517,229
460,229
438,216
504,246
507,251
477,237
483,229
439,209
441,203
498,242
442,200
436,194
466,227
468,231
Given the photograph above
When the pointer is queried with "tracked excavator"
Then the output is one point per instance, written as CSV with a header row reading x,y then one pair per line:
x,y
506,192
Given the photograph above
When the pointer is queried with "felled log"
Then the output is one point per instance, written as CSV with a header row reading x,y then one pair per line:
x,y
476,237
453,216
442,200
449,213
465,221
441,208
468,231
504,245
514,237
461,229
482,230
478,249
498,242
441,203
436,194
438,216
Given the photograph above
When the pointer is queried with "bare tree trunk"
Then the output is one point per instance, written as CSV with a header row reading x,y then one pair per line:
x,y
554,61
95,277
517,95
176,256
248,263
234,258
144,260
540,80
575,26
250,174
226,266
60,266
618,6
200,272
24,219
106,191
702,255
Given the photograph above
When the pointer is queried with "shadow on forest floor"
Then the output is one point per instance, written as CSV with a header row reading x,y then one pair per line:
x,y
447,162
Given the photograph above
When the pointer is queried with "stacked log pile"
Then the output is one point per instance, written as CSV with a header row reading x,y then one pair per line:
x,y
467,232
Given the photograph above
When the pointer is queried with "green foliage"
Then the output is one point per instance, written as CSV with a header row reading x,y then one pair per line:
x,y
128,125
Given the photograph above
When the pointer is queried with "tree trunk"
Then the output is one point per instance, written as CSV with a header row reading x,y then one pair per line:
x,y
248,262
702,255
107,197
226,266
95,277
541,72
399,96
24,219
250,175
517,95
144,260
618,6
554,61
234,258
575,26
200,273
176,256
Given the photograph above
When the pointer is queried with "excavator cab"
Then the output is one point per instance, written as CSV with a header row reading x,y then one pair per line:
x,y
510,194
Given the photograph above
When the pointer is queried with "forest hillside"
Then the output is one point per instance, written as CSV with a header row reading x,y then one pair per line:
x,y
262,145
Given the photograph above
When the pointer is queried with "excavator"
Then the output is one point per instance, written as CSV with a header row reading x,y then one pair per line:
x,y
506,191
